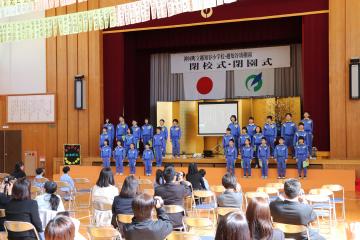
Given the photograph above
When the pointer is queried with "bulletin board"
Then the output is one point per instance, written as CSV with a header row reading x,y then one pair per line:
x,y
31,108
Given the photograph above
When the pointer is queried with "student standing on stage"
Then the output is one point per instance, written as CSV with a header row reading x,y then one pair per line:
x,y
281,156
132,155
263,154
110,130
128,140
247,155
231,156
103,136
119,156
121,130
243,138
235,130
301,155
251,128
147,132
148,158
226,139
300,133
159,144
288,131
256,143
164,133
136,132
175,135
270,133
308,127
105,153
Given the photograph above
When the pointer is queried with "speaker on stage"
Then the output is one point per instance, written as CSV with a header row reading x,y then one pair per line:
x,y
354,73
80,92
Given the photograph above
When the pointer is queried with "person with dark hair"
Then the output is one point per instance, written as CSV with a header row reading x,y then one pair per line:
x,y
159,180
19,170
158,145
300,133
257,138
226,139
206,183
66,178
105,153
5,197
301,156
121,130
164,133
270,133
251,128
132,155
288,130
259,220
128,140
175,135
119,154
22,208
233,226
281,156
231,156
232,197
243,136
60,227
148,158
147,132
194,177
247,155
39,175
142,226
136,132
76,223
173,192
103,136
122,203
308,127
294,210
49,200
264,155
110,130
235,130
104,192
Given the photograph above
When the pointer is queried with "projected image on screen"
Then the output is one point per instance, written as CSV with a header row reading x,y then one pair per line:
x,y
214,118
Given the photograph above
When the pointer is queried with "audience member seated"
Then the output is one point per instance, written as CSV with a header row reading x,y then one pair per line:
x,y
194,177
19,170
159,180
259,220
233,226
60,227
122,203
22,208
66,178
294,210
76,223
39,175
206,183
5,197
173,193
232,197
142,226
104,191
49,200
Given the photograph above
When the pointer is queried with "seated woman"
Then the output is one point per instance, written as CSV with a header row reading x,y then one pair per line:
x,y
142,226
233,226
232,197
60,227
19,170
122,203
22,208
104,192
194,177
259,219
49,200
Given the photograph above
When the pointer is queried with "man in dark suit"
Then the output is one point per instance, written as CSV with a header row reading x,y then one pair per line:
x,y
173,193
294,210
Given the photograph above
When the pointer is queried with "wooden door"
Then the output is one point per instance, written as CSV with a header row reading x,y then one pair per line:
x,y
2,151
12,148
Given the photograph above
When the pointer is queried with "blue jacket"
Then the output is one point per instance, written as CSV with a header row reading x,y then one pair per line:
x,y
263,152
175,132
147,130
299,134
226,140
235,129
105,152
269,130
281,151
301,152
247,152
257,139
110,129
136,132
148,155
308,125
164,132
231,153
119,153
159,140
243,137
102,138
288,129
121,130
129,139
251,129
132,154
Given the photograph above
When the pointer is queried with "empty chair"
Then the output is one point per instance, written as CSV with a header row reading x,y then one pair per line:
x,y
182,236
171,209
292,229
322,207
222,211
83,191
217,189
199,225
249,195
271,191
103,233
339,196
207,201
330,194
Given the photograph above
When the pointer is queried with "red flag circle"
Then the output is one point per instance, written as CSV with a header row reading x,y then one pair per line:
x,y
204,85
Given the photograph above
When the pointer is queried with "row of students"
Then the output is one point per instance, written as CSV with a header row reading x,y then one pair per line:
x,y
145,134
263,155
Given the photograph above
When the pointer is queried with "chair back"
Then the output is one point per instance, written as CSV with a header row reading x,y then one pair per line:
x,y
217,188
317,198
251,195
222,211
291,228
174,209
2,213
278,186
198,222
17,226
268,190
203,194
101,205
321,191
35,191
124,218
104,233
81,180
41,180
149,191
61,184
182,236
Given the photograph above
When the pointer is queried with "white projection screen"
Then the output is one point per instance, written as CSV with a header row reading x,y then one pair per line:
x,y
214,117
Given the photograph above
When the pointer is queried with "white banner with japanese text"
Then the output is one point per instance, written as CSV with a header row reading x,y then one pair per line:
x,y
235,59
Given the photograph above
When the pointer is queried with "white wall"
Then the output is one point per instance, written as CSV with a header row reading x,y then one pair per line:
x,y
23,63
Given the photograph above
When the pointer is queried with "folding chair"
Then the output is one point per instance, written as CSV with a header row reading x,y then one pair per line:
x,y
171,209
292,229
209,206
199,225
338,190
250,195
18,226
103,233
271,191
182,236
66,195
82,190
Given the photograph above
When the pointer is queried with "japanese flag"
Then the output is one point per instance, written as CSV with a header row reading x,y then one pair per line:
x,y
205,85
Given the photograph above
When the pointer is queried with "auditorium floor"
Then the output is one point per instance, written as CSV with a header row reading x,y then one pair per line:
x,y
337,233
